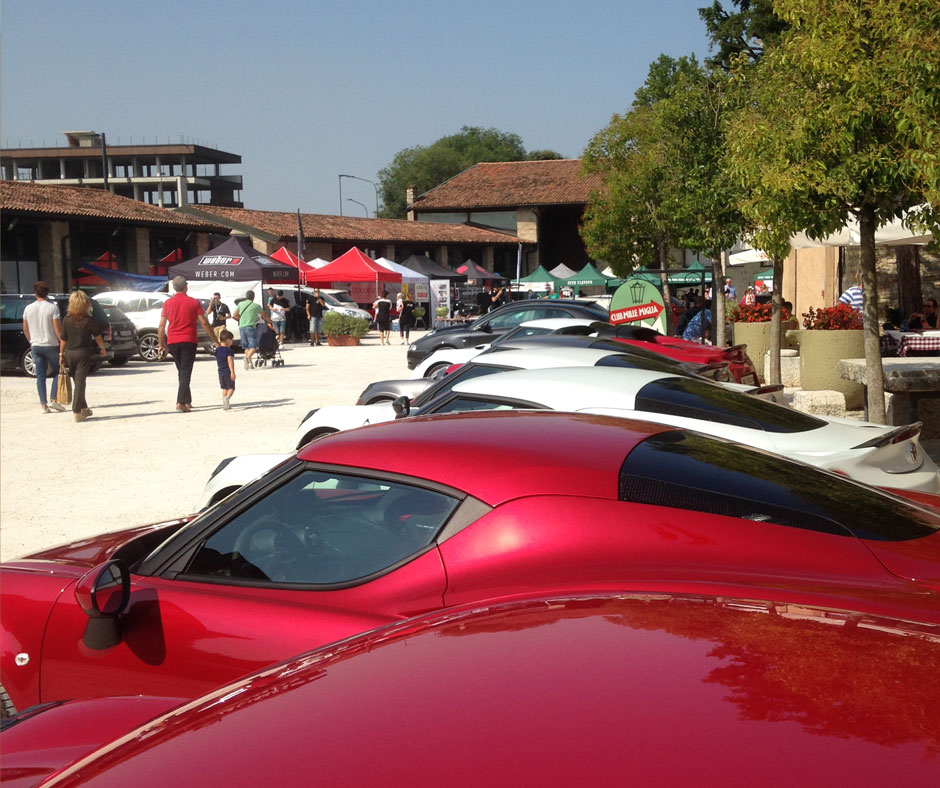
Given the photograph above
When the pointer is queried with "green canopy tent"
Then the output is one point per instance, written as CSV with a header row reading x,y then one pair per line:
x,y
767,275
695,274
588,276
539,277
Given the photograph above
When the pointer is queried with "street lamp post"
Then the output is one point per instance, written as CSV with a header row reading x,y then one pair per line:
x,y
357,178
350,199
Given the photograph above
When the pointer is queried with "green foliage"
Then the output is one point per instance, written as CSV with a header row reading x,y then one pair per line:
x,y
334,324
428,166
749,31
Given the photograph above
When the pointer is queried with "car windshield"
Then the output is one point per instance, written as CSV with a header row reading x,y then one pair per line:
x,y
445,384
340,297
689,471
696,399
323,528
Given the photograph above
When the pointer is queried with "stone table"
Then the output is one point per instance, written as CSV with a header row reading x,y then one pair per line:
x,y
914,386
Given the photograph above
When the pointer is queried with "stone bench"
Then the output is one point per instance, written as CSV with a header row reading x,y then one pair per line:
x,y
913,385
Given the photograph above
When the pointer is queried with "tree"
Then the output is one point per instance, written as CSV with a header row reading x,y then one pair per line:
x,y
426,167
749,31
843,121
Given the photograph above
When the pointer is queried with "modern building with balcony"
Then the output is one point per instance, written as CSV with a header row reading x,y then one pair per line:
x,y
168,175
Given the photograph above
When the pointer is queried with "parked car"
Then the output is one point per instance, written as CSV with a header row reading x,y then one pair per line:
x,y
123,337
15,353
369,526
490,326
143,310
648,687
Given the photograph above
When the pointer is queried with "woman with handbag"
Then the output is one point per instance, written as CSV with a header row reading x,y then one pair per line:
x,y
76,348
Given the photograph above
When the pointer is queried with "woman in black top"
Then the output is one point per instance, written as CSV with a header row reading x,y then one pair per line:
x,y
383,317
406,318
78,331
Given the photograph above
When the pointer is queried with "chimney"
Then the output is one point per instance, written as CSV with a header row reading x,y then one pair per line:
x,y
410,200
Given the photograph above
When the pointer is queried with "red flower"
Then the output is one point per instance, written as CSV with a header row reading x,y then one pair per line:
x,y
752,313
832,318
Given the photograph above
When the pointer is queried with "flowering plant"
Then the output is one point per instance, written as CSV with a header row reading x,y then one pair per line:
x,y
832,318
752,313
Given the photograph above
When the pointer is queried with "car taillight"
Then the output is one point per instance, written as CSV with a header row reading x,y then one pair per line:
x,y
903,433
452,368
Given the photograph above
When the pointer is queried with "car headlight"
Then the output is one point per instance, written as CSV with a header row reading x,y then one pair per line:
x,y
412,346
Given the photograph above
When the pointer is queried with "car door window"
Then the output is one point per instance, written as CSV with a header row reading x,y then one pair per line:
x,y
322,528
12,310
510,319
459,404
130,304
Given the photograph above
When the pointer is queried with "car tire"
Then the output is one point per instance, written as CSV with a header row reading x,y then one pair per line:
x,y
435,368
315,435
27,365
148,346
119,361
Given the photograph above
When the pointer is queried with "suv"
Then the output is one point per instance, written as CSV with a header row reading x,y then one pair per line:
x,y
15,353
490,326
143,310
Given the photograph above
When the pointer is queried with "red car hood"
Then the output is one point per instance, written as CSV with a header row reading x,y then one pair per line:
x,y
87,553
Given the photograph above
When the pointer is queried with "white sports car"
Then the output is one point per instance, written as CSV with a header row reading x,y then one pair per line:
x,y
447,357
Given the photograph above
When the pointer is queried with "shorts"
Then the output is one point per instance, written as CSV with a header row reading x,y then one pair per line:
x,y
316,325
249,337
279,325
225,380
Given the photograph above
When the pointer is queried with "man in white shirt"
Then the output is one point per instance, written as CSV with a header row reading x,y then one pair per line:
x,y
43,328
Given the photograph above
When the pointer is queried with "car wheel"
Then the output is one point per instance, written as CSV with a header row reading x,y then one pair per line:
x,y
314,435
149,347
431,371
27,365
119,361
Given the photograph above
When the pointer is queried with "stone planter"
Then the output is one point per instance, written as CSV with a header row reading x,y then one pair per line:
x,y
757,338
820,353
341,340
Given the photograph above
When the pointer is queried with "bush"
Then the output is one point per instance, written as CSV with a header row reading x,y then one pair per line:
x,y
752,313
832,318
335,324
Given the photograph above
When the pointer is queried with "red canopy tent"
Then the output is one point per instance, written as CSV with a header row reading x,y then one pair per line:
x,y
354,266
91,279
160,267
285,255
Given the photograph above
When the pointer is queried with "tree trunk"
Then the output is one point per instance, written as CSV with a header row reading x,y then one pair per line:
x,y
910,298
663,263
718,302
776,299
873,371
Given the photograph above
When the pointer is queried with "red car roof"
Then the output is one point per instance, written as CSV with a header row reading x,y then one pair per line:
x,y
486,454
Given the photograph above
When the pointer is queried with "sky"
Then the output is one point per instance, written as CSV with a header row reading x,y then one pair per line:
x,y
306,90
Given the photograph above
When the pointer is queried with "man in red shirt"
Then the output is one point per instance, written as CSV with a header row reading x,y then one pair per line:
x,y
181,314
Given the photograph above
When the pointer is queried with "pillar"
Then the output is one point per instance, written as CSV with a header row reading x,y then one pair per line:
x,y
137,250
53,266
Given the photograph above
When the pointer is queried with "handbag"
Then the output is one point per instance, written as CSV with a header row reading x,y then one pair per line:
x,y
63,393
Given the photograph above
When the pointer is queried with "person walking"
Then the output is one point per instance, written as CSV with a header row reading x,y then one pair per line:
x,y
279,307
406,317
177,331
225,358
79,334
217,313
248,313
315,307
383,316
43,329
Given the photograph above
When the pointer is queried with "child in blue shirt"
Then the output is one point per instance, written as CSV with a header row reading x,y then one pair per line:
x,y
225,358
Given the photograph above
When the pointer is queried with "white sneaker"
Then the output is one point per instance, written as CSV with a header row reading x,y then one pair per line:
x,y
247,363
57,407
226,403
45,408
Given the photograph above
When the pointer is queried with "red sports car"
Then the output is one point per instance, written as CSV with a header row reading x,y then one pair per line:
x,y
388,521
599,690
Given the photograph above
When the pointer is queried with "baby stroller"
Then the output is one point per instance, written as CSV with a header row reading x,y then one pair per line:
x,y
268,348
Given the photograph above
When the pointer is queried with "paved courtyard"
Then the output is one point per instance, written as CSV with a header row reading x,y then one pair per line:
x,y
138,460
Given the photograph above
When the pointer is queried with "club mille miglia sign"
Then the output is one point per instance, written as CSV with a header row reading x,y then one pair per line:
x,y
638,301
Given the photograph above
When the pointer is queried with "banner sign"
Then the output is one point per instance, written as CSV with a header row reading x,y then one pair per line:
x,y
638,301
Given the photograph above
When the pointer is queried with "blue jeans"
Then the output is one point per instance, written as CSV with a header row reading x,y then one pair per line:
x,y
249,337
45,356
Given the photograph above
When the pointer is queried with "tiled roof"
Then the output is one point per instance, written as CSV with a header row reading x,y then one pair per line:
x,y
66,202
326,227
508,184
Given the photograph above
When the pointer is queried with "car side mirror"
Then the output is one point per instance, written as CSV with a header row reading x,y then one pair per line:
x,y
402,406
485,328
104,591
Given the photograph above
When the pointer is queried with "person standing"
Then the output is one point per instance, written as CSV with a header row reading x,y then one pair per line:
x,y
406,317
383,316
315,307
43,329
249,314
177,331
75,348
217,313
730,290
225,358
279,307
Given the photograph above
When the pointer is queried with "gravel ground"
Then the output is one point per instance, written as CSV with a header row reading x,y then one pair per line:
x,y
138,460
